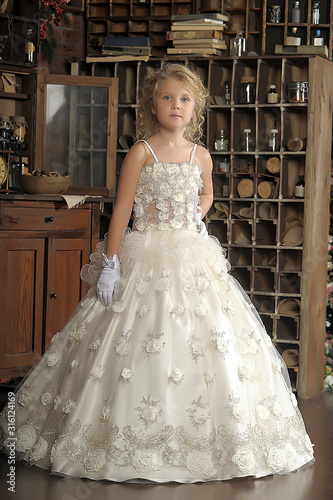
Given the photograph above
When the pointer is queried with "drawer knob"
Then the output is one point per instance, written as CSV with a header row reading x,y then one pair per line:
x,y
54,295
48,220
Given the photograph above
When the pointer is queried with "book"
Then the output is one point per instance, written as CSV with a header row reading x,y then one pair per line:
x,y
121,58
106,49
196,27
127,41
200,22
191,35
204,42
194,50
208,15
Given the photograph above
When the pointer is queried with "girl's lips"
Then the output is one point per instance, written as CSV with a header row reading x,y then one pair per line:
x,y
175,116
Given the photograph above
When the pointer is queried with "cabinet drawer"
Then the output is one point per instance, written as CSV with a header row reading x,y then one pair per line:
x,y
44,219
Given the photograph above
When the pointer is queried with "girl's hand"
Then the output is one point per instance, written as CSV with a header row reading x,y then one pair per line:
x,y
108,279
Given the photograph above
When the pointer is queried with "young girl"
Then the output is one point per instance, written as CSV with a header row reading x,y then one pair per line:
x,y
164,372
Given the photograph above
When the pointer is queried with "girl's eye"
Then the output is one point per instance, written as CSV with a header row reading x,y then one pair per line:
x,y
166,97
185,99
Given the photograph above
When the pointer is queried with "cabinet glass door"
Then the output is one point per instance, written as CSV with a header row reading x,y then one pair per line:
x,y
79,131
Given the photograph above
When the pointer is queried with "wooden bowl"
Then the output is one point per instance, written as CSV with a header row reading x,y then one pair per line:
x,y
43,184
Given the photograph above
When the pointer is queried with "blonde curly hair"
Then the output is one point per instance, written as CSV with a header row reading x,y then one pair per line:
x,y
147,124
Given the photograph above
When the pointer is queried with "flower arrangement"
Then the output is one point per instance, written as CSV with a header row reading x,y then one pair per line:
x,y
52,14
328,369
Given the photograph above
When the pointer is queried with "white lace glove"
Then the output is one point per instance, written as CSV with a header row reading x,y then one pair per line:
x,y
201,226
108,279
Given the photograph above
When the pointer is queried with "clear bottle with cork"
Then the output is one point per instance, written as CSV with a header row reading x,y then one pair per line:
x,y
273,142
247,140
272,95
238,45
300,187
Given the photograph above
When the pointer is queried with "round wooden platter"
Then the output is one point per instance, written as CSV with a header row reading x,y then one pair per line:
x,y
245,188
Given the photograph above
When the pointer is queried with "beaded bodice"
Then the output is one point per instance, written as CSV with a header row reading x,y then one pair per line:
x,y
167,196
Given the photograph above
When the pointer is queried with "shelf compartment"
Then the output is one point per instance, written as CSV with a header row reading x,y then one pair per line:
x,y
290,260
243,118
240,257
270,73
289,283
218,120
127,74
264,304
219,229
268,119
287,328
264,279
241,232
294,124
265,233
265,258
292,168
219,73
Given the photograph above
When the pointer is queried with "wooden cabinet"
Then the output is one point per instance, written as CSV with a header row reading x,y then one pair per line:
x,y
43,246
76,123
276,243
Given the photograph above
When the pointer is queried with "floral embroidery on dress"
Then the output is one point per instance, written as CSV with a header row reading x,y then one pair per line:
x,y
84,302
163,283
236,409
196,346
77,333
53,360
69,406
200,464
118,309
246,343
94,461
25,396
122,346
187,286
229,309
126,374
46,398
153,345
143,310
97,374
94,345
202,283
177,311
39,450
199,413
200,311
219,342
244,460
141,286
176,376
149,412
209,377
74,366
54,338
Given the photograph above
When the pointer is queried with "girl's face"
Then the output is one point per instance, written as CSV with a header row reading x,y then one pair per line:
x,y
174,105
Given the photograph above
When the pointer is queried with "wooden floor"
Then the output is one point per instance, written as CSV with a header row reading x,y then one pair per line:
x,y
313,483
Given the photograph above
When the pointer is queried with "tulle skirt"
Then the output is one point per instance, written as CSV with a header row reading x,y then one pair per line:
x,y
177,380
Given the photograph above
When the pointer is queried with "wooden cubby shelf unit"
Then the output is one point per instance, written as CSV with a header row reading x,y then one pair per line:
x,y
277,245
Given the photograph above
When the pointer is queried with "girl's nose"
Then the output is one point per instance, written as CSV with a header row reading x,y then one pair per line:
x,y
175,105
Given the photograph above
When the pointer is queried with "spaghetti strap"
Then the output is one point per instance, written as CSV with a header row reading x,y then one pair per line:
x,y
150,149
193,153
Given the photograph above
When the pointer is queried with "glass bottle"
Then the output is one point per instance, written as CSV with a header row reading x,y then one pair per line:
x,y
222,144
272,143
318,40
29,47
272,95
296,13
300,187
227,93
238,45
315,13
247,140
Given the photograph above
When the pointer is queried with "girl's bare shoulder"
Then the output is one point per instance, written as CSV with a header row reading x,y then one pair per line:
x,y
203,157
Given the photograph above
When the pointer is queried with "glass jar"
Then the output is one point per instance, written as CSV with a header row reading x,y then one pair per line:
x,y
297,92
247,90
224,165
227,92
272,95
272,143
222,144
19,126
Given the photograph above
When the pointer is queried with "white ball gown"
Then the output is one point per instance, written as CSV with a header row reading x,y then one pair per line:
x,y
177,380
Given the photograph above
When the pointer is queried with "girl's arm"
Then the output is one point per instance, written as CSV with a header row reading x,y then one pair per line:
x,y
206,195
128,180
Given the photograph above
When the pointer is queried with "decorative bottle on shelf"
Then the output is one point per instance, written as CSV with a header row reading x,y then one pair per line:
x,y
300,187
247,140
29,47
272,95
227,93
222,144
296,13
318,40
238,45
272,143
315,13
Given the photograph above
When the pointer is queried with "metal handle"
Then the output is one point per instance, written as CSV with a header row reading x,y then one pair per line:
x,y
48,220
54,295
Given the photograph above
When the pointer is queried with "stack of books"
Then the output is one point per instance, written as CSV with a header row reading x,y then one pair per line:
x,y
123,48
198,34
